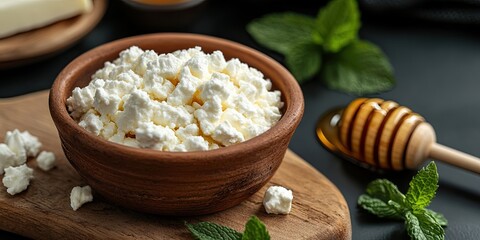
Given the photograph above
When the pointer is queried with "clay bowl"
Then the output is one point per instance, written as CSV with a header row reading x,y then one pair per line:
x,y
174,183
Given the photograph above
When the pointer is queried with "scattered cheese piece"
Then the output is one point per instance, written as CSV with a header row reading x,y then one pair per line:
x,y
32,144
278,200
80,196
7,157
46,160
17,179
14,141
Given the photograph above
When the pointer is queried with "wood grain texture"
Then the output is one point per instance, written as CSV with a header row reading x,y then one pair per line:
x,y
43,211
35,44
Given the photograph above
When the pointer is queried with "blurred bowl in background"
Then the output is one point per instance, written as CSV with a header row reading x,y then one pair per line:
x,y
162,15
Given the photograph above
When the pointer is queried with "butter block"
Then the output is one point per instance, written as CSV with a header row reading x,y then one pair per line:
x,y
23,15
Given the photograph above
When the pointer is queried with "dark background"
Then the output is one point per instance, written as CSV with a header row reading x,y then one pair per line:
x,y
437,67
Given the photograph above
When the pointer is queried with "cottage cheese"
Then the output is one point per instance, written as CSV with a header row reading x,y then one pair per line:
x,y
46,160
7,157
16,144
187,100
80,196
17,179
17,148
278,200
23,144
31,143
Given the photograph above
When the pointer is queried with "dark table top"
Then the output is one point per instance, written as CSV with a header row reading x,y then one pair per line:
x,y
437,72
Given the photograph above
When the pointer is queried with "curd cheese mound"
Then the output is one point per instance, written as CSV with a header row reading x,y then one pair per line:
x,y
187,100
17,179
278,200
80,196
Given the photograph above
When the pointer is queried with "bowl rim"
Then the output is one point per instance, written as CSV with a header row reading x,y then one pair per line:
x,y
290,118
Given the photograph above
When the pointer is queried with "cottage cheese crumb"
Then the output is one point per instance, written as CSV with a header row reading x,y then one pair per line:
x,y
147,100
17,179
46,160
80,196
278,200
32,144
7,157
17,148
14,141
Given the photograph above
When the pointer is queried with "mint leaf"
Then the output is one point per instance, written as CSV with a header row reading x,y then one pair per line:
x,y
438,217
379,207
360,68
423,187
385,191
212,231
337,24
281,31
255,230
421,226
383,199
304,60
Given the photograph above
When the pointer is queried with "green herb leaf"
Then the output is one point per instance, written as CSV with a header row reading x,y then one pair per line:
x,y
255,230
438,217
212,231
337,24
351,66
281,31
422,226
385,191
423,187
385,200
360,68
379,207
304,60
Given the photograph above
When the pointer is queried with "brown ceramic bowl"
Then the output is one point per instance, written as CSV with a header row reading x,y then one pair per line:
x,y
175,183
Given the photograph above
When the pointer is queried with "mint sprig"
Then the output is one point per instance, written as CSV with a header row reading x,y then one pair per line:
x,y
384,200
327,44
254,230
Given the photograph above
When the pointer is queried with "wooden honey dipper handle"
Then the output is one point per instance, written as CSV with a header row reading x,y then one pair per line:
x,y
423,145
455,157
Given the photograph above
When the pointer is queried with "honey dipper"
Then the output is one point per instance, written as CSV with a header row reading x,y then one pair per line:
x,y
384,135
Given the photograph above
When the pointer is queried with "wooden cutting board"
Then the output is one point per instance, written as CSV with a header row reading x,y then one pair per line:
x,y
43,211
